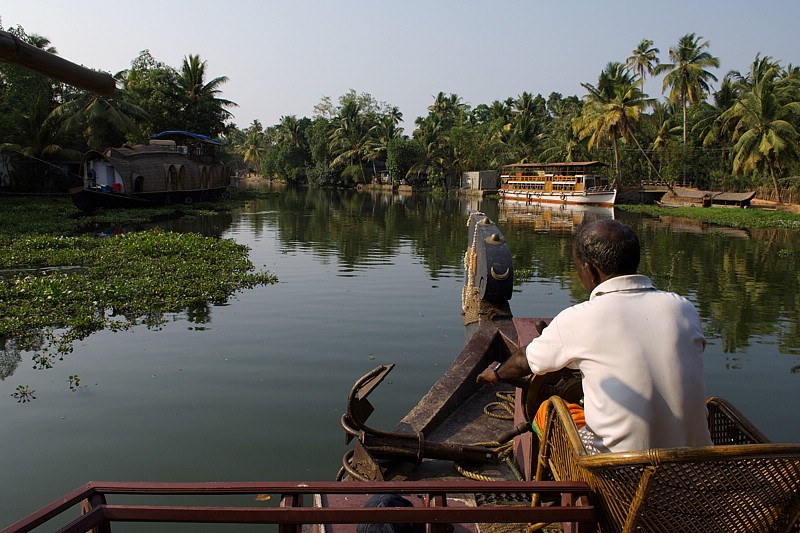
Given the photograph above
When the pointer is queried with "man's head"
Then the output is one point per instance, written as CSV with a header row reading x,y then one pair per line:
x,y
605,249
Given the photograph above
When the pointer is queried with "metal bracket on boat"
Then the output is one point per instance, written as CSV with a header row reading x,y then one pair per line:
x,y
392,445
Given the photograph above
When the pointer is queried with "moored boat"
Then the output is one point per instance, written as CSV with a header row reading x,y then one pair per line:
x,y
175,167
558,183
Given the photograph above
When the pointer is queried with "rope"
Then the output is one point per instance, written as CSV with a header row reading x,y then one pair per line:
x,y
505,449
505,405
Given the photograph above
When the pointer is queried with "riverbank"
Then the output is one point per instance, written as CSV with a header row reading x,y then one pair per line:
x,y
762,215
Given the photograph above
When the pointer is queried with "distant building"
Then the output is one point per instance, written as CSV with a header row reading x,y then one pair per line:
x,y
480,180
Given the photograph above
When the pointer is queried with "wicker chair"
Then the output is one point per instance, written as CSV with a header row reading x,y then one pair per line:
x,y
741,484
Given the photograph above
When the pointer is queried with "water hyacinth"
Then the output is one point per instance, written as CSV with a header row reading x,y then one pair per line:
x,y
57,289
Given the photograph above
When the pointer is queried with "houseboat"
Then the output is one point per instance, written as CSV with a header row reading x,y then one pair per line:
x,y
576,183
174,167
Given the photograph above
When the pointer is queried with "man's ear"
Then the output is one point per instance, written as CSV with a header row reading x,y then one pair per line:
x,y
594,273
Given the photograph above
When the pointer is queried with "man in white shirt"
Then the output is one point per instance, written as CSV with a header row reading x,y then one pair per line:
x,y
639,350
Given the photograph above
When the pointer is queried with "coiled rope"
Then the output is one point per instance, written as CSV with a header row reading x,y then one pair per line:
x,y
502,409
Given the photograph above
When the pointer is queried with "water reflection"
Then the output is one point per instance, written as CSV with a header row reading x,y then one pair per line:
x,y
228,391
743,281
551,218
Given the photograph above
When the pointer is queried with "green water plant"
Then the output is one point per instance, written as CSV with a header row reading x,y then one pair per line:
x,y
737,218
59,284
65,288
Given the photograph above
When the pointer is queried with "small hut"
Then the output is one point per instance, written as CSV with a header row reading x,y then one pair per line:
x,y
733,199
684,197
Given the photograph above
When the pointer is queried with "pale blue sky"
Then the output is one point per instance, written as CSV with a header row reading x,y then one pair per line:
x,y
283,57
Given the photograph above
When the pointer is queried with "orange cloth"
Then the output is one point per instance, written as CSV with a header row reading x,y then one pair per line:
x,y
574,409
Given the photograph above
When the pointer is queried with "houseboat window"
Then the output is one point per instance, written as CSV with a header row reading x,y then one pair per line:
x,y
172,178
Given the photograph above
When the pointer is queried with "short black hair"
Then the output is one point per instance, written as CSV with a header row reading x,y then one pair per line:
x,y
608,245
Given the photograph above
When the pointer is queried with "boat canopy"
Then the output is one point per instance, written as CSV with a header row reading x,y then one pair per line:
x,y
172,134
559,166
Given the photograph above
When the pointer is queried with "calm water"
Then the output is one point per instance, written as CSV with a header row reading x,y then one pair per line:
x,y
253,390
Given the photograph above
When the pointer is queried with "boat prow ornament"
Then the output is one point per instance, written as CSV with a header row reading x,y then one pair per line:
x,y
490,272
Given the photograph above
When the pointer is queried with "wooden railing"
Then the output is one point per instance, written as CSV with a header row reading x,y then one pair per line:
x,y
291,513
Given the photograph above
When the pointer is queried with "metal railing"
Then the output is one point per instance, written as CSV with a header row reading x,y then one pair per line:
x,y
575,511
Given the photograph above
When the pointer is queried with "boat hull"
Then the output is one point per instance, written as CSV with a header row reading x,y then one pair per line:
x,y
595,198
88,199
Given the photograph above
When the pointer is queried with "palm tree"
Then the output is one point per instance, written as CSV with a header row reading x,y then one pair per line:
x,y
432,137
101,120
349,136
687,76
42,42
447,107
380,135
395,114
662,122
708,126
290,130
763,123
204,111
612,110
526,104
644,60
254,146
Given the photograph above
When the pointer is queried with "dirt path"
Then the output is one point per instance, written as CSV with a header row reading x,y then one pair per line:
x,y
791,208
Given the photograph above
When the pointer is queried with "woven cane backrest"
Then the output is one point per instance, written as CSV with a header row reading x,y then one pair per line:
x,y
741,487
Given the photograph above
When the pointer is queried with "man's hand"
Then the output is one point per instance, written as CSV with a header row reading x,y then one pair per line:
x,y
489,375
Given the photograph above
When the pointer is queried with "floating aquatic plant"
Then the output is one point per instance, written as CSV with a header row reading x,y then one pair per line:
x,y
56,288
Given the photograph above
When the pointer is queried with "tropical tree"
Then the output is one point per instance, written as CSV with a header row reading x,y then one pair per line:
x,y
255,145
291,130
153,86
612,111
763,122
707,125
380,135
350,136
687,76
203,111
643,60
432,137
101,121
401,156
26,99
447,107
562,144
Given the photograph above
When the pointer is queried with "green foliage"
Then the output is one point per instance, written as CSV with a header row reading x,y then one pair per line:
x,y
152,86
324,175
736,218
401,156
50,120
24,394
85,284
56,288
